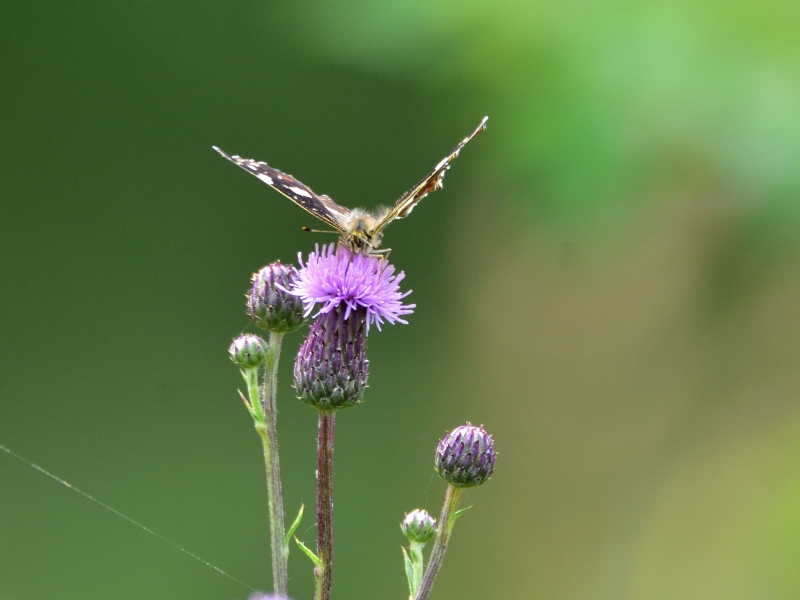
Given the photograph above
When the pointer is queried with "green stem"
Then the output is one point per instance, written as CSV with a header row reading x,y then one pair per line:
x,y
417,564
324,572
443,531
268,431
255,407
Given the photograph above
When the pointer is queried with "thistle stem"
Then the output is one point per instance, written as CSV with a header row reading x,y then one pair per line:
x,y
417,566
445,528
324,572
268,431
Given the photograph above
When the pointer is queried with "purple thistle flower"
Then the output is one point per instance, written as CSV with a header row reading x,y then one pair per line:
x,y
269,305
331,369
466,456
334,278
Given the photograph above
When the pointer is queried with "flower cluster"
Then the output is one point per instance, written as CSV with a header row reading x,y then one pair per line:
x,y
331,369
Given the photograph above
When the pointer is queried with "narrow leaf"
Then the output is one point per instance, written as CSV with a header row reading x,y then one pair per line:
x,y
246,401
458,513
293,527
314,558
409,572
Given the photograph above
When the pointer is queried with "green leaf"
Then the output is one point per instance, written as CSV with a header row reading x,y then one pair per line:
x,y
246,401
458,513
314,558
293,527
409,572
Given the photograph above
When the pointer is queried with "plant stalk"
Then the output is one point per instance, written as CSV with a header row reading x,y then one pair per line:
x,y
443,531
417,566
324,572
268,431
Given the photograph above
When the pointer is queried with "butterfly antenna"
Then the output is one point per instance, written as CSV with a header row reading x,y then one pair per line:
x,y
319,230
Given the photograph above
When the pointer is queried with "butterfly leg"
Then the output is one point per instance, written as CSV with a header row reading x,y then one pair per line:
x,y
383,253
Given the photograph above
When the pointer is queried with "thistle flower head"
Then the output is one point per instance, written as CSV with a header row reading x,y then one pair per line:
x,y
248,351
331,369
418,526
340,278
465,457
269,305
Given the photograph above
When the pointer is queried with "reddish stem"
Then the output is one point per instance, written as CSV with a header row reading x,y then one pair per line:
x,y
324,573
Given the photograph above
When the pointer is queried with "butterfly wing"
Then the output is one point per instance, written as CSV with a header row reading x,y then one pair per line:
x,y
432,182
320,206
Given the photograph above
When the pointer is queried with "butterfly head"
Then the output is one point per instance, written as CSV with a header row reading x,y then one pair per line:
x,y
361,230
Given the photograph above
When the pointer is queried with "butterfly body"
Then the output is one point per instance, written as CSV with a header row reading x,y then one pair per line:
x,y
359,229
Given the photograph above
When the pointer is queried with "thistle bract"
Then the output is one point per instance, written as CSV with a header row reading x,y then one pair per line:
x,y
331,369
269,304
465,457
248,351
418,526
341,279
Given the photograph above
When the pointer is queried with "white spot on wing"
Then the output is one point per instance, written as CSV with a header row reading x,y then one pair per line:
x,y
299,191
265,178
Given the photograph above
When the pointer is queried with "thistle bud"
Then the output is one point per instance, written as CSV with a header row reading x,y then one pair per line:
x,y
248,351
331,369
465,457
269,305
418,526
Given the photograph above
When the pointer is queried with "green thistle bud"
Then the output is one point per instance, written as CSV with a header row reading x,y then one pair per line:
x,y
465,457
331,369
248,351
418,526
269,305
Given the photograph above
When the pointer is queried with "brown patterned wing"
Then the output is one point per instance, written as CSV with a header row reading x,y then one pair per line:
x,y
320,206
432,182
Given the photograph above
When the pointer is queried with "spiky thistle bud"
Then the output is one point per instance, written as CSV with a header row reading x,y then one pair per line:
x,y
465,457
418,526
248,351
331,369
269,304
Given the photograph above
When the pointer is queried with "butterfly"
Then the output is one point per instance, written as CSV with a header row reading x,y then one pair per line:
x,y
359,229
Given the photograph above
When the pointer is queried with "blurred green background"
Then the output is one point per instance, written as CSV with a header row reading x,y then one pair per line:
x,y
608,282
